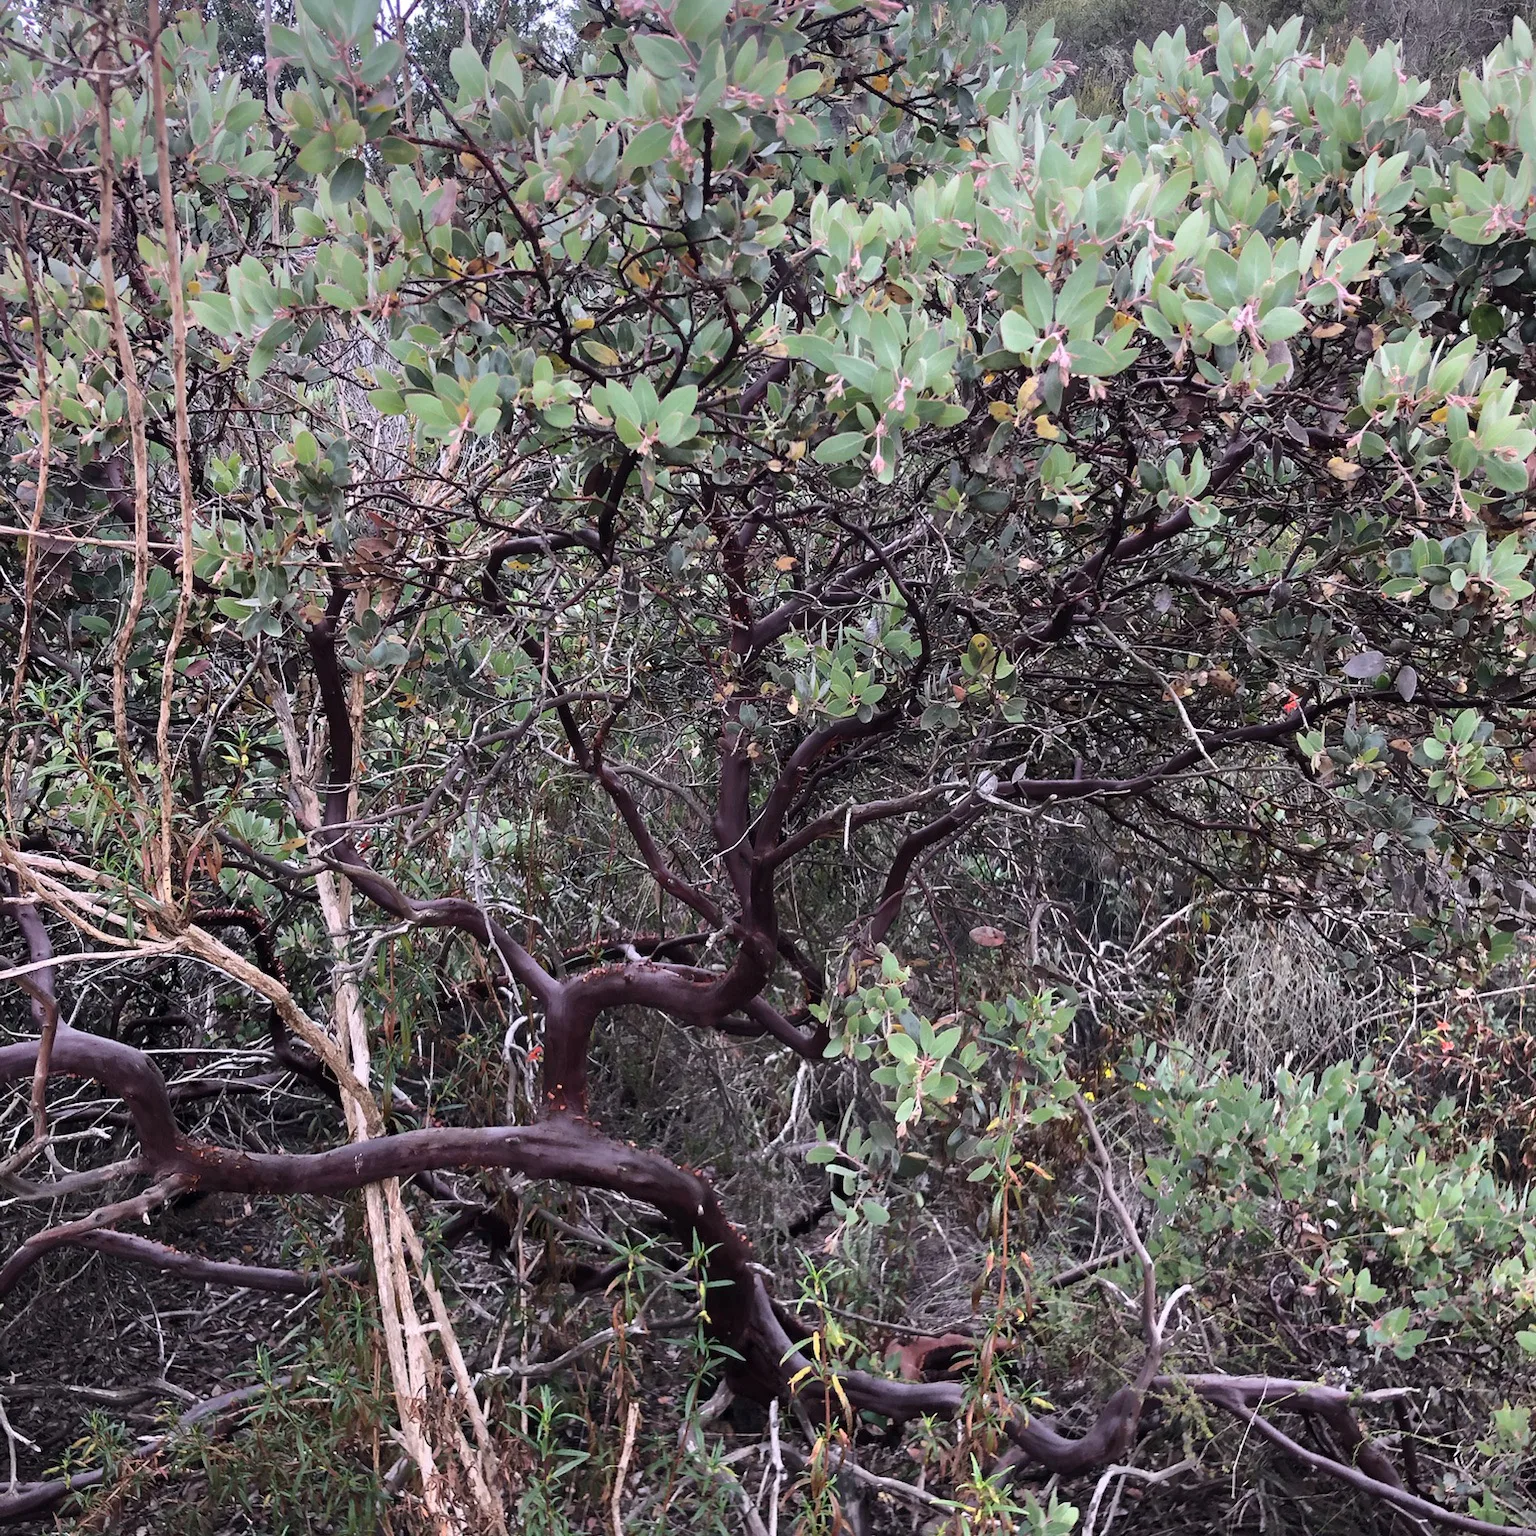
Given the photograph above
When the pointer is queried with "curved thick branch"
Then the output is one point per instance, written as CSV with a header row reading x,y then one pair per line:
x,y
812,747
567,1148
134,1249
74,1232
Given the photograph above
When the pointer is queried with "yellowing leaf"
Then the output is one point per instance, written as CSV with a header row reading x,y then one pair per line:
x,y
1047,428
1342,469
1000,410
1327,332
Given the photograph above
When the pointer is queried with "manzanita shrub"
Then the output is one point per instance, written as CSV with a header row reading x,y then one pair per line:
x,y
676,504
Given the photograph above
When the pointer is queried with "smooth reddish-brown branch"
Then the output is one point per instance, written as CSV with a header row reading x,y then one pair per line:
x,y
441,912
134,1249
655,861
916,843
914,608
1334,1406
811,748
732,820
551,541
561,1148
1042,791
1354,1476
1086,580
770,1021
71,1233
849,818
1037,791
572,1005
805,607
590,760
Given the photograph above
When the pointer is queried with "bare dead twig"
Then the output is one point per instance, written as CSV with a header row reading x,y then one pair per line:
x,y
138,441
1141,1474
183,446
631,1423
